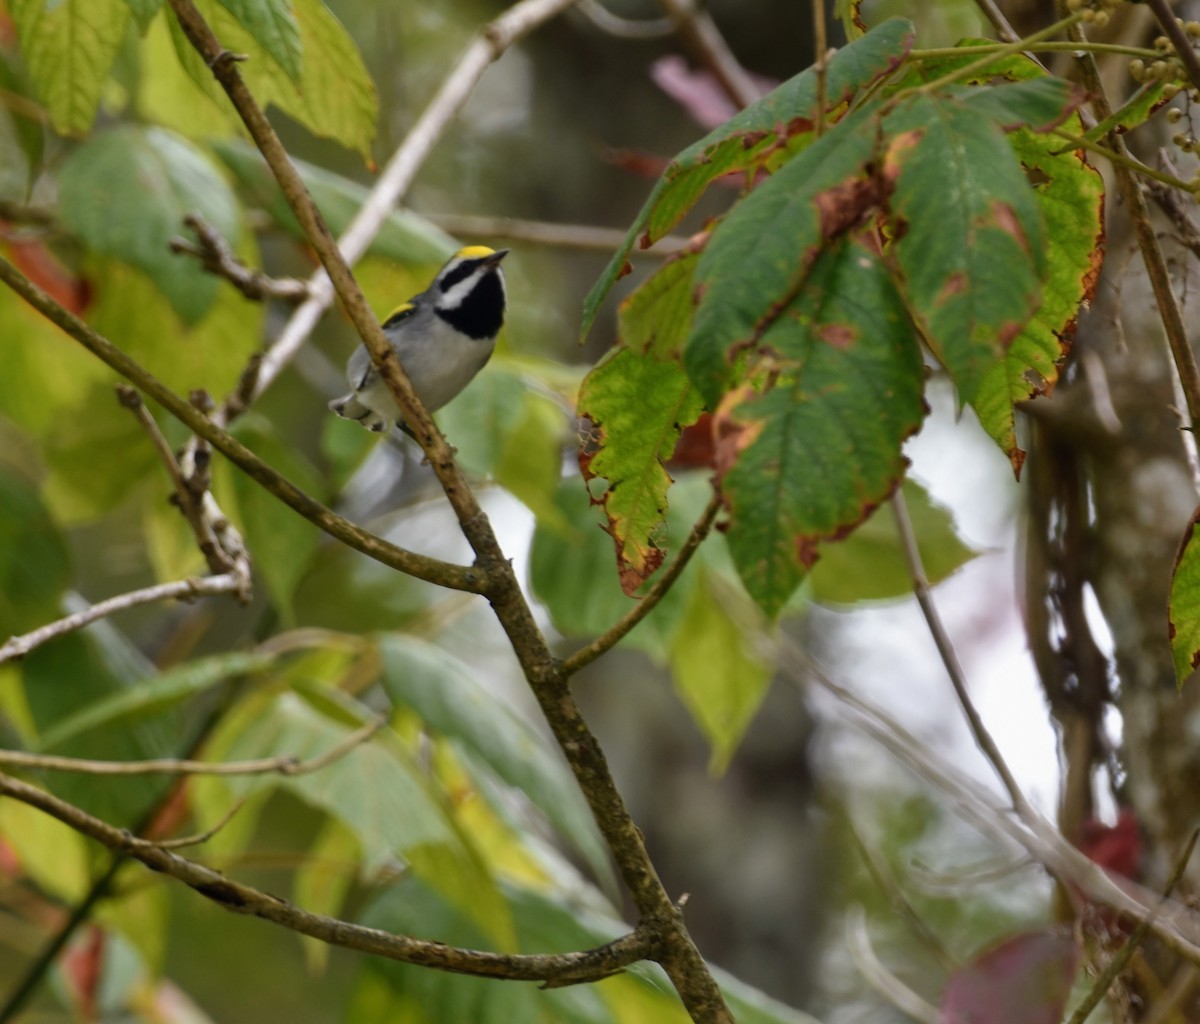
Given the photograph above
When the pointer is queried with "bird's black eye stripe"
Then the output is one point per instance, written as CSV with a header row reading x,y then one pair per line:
x,y
459,273
403,313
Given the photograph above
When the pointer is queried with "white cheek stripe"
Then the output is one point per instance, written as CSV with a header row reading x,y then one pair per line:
x,y
457,295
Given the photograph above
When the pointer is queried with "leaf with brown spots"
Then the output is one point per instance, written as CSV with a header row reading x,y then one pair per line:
x,y
760,255
747,141
806,460
638,405
969,235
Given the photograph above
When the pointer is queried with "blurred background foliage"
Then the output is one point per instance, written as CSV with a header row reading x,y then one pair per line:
x,y
462,823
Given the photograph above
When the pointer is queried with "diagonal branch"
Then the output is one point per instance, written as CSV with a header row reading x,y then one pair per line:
x,y
559,968
983,738
678,954
216,255
285,764
183,590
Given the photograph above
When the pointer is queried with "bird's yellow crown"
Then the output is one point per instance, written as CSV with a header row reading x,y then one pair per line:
x,y
474,252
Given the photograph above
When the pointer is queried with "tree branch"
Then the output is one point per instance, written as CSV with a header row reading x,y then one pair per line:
x,y
983,738
583,237
285,764
423,567
679,956
217,257
649,601
559,968
184,590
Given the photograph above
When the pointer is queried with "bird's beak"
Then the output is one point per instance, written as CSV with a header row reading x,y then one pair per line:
x,y
495,258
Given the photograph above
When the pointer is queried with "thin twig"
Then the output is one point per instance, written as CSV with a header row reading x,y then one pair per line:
x,y
973,68
983,738
190,492
584,237
615,633
561,968
1123,159
197,839
881,873
821,63
1000,23
284,764
217,257
1176,925
402,168
183,590
1179,39
1118,963
701,35
879,977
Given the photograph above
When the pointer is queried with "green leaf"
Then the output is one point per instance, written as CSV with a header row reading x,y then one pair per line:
x,y
377,792
422,996
169,96
657,318
322,882
125,194
97,459
151,697
718,672
406,237
1036,104
334,96
479,422
144,12
46,374
638,406
528,463
450,701
273,24
35,568
69,48
50,853
750,137
1184,607
1135,111
761,253
969,234
869,565
73,673
1070,194
808,460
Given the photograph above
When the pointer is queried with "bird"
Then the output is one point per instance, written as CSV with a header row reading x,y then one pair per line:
x,y
443,336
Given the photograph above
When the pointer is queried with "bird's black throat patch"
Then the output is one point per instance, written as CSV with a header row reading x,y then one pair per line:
x,y
481,313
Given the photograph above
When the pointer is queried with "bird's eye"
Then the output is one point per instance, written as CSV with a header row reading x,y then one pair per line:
x,y
397,315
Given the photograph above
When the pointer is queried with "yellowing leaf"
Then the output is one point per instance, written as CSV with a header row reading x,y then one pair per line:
x,y
69,48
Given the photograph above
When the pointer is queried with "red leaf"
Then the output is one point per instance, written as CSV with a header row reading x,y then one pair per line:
x,y
1026,978
1116,848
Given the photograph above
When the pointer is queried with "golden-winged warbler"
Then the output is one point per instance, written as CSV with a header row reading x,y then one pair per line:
x,y
443,337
